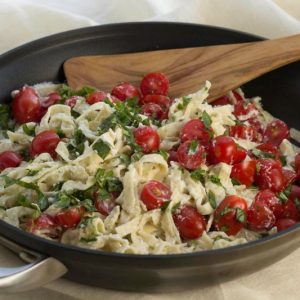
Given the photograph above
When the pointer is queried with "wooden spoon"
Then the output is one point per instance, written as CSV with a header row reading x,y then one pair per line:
x,y
225,66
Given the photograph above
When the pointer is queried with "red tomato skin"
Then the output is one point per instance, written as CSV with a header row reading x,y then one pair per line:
x,y
195,130
283,224
155,83
289,177
189,222
245,111
240,155
290,211
125,91
9,159
270,149
228,219
297,162
154,194
45,141
44,221
275,132
161,100
260,217
104,207
69,218
222,149
147,138
97,96
172,156
243,132
258,127
71,101
154,111
244,172
192,161
51,99
224,100
26,106
269,199
269,175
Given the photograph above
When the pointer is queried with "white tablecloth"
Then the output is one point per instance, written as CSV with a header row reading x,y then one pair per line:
x,y
22,21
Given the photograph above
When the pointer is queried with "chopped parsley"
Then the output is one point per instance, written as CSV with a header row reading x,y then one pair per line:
x,y
212,199
65,200
283,160
261,154
193,147
76,144
5,117
164,154
102,148
199,175
184,103
28,130
215,179
206,119
240,215
175,207
226,210
284,195
66,92
235,181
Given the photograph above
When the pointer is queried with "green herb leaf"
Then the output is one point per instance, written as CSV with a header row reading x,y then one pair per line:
x,y
283,160
260,154
185,101
5,117
284,195
165,205
31,172
235,181
206,119
212,199
224,228
175,207
102,148
29,131
91,238
65,200
215,179
76,143
164,154
297,203
88,204
240,215
226,210
199,175
193,147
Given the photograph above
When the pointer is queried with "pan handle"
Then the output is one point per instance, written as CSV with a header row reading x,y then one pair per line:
x,y
39,270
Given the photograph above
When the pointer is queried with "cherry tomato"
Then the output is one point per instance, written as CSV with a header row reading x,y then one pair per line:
x,y
231,214
147,138
290,210
222,149
289,177
260,217
26,105
45,141
240,155
104,207
224,100
189,222
125,91
191,155
245,111
269,149
283,224
172,155
269,199
257,125
195,130
154,111
154,194
51,99
297,162
276,131
9,159
44,221
269,175
243,132
161,100
94,97
69,217
244,172
155,83
71,101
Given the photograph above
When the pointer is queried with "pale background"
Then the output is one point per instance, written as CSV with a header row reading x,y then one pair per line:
x,y
22,21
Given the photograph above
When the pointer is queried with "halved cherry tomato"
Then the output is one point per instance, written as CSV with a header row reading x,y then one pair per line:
x,y
269,175
189,222
269,150
42,222
69,217
125,91
243,132
276,131
104,206
231,215
260,217
155,83
195,130
222,149
244,172
289,177
9,159
245,111
154,111
154,194
283,224
161,100
147,138
71,101
224,100
290,210
269,199
240,155
26,106
45,141
257,125
51,99
191,155
94,97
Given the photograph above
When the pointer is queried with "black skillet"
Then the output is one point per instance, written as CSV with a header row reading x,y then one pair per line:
x,y
42,61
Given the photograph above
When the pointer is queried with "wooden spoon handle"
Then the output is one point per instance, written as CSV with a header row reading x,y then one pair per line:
x,y
226,66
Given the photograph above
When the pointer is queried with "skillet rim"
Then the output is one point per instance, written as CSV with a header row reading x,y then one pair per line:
x,y
57,40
